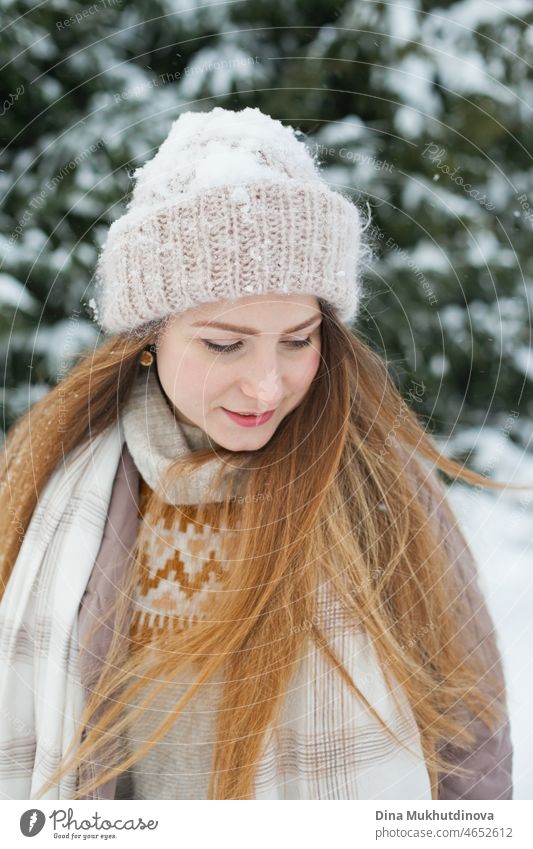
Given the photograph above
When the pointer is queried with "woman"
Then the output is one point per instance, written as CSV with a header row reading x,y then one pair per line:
x,y
230,570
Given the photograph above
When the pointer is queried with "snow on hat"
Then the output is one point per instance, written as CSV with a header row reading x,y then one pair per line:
x,y
232,204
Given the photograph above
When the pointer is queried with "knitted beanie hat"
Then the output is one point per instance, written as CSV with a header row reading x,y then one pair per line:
x,y
232,204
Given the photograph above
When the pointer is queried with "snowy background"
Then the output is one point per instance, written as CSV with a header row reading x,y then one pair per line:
x,y
421,113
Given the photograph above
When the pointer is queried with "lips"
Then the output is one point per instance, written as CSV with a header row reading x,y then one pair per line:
x,y
249,420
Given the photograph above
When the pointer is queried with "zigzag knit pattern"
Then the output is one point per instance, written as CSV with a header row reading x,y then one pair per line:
x,y
183,563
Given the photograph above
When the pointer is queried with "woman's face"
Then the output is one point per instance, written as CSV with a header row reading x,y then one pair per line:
x,y
257,363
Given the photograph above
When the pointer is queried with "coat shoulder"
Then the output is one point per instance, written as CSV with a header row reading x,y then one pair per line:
x,y
108,572
490,759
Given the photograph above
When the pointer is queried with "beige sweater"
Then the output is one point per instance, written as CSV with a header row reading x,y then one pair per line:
x,y
184,563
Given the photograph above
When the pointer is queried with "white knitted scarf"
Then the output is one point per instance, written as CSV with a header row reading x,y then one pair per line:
x,y
327,745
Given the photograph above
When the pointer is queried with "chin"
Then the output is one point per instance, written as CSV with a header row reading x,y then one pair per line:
x,y
246,442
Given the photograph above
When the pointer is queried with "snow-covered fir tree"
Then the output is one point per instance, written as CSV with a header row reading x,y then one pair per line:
x,y
420,113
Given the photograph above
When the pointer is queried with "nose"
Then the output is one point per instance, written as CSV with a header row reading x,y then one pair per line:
x,y
262,382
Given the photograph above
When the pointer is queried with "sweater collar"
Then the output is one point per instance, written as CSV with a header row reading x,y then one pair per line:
x,y
155,437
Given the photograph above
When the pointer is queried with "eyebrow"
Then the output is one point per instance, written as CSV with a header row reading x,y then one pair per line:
x,y
221,325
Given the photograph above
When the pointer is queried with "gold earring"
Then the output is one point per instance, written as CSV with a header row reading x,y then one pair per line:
x,y
146,358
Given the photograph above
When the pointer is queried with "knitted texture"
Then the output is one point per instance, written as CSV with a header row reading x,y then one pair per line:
x,y
183,565
232,204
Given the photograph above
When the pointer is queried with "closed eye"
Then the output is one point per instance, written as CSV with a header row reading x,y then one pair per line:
x,y
227,349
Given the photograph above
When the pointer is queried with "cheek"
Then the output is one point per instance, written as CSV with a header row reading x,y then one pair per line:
x,y
188,378
309,369
180,372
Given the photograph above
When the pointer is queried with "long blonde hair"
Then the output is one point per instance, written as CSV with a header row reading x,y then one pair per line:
x,y
338,459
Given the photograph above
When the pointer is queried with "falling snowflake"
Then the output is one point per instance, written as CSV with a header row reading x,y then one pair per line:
x,y
93,306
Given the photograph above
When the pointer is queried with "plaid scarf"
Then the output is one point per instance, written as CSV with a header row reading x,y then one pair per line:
x,y
41,695
327,745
